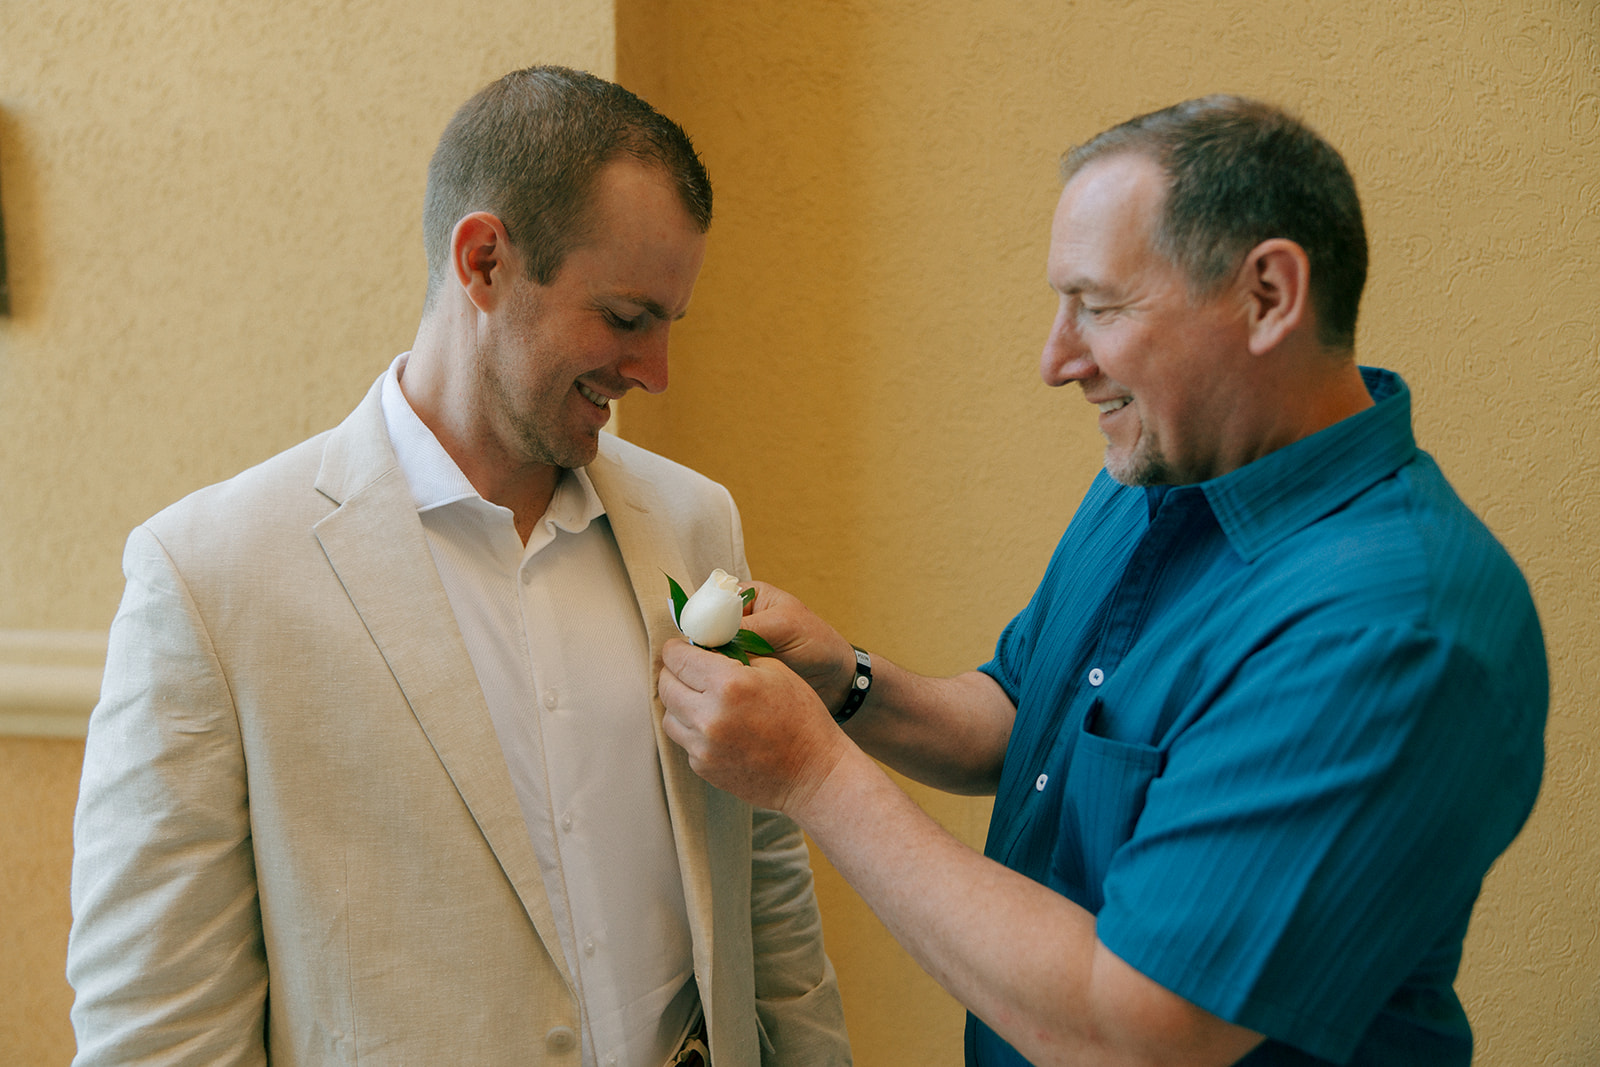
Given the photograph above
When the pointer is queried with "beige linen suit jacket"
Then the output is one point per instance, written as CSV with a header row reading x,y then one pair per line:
x,y
296,839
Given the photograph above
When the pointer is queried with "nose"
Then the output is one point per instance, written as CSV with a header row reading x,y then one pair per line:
x,y
1065,357
644,366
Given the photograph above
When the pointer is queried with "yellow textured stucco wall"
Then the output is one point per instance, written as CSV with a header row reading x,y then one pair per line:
x,y
210,213
38,788
859,363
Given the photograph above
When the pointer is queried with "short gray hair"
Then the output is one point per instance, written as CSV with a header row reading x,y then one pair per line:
x,y
1240,172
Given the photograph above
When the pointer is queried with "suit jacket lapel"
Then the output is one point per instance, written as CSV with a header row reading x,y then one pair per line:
x,y
650,551
375,543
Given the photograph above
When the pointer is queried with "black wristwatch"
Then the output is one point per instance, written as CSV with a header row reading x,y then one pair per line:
x,y
858,688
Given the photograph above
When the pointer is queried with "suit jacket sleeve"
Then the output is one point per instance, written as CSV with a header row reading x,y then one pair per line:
x,y
797,994
165,952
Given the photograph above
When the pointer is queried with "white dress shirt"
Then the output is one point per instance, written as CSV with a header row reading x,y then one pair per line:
x,y
556,639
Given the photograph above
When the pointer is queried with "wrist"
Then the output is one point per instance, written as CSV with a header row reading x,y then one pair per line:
x,y
813,794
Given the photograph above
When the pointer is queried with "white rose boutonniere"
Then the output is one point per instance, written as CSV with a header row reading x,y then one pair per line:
x,y
711,617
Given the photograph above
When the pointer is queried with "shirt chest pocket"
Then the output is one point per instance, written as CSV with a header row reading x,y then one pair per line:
x,y
1103,794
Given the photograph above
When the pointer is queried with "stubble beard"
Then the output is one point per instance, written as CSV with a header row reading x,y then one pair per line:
x,y
539,448
545,444
1144,464
539,442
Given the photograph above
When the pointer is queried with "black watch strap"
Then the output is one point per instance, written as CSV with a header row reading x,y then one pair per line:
x,y
858,688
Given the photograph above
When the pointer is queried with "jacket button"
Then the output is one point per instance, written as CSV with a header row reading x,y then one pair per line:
x,y
561,1039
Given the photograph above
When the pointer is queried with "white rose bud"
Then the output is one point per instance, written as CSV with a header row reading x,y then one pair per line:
x,y
711,617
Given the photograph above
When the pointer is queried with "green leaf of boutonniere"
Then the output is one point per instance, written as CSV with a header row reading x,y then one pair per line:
x,y
750,641
679,599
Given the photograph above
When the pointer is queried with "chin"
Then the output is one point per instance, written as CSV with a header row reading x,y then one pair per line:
x,y
1142,467
572,459
572,452
581,453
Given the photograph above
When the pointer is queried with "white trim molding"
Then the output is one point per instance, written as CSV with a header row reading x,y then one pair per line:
x,y
49,681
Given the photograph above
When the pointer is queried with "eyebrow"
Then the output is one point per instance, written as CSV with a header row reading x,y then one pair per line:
x,y
1076,286
653,307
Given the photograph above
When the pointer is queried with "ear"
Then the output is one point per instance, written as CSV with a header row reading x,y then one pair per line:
x,y
481,259
1276,277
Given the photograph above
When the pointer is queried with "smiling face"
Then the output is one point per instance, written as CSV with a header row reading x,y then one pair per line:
x,y
553,357
1165,368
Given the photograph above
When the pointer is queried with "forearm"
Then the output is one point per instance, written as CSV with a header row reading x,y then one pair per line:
x,y
950,733
1021,957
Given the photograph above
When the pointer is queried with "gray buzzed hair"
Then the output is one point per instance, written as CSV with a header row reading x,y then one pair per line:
x,y
528,148
1240,172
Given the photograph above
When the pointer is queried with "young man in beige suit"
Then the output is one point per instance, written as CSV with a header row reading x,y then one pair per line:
x,y
377,774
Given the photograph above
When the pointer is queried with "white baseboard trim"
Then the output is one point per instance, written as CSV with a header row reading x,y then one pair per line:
x,y
49,681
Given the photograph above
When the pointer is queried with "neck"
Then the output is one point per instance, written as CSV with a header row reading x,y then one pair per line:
x,y
1312,393
1328,389
1334,392
437,384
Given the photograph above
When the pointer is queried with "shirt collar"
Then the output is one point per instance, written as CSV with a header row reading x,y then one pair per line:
x,y
1264,502
436,481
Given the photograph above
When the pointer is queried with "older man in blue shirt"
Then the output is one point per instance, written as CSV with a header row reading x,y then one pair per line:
x,y
1276,706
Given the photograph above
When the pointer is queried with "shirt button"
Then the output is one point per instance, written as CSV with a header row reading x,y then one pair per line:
x,y
527,576
550,699
1096,676
561,1039
566,820
1040,782
588,946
